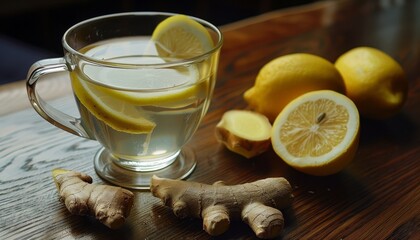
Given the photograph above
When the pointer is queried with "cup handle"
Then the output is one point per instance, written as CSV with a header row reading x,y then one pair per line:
x,y
57,118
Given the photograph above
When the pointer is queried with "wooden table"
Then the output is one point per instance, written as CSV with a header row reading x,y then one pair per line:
x,y
375,197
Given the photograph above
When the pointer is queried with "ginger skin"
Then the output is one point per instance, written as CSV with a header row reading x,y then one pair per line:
x,y
110,205
256,203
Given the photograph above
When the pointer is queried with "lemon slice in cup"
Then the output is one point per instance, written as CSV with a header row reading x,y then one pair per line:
x,y
317,133
104,106
182,37
161,87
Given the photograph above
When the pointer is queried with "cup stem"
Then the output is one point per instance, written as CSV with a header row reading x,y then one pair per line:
x,y
105,166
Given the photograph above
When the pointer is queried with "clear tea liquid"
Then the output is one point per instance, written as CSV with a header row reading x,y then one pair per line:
x,y
143,113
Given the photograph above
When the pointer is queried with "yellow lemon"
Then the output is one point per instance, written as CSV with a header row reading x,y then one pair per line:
x,y
287,77
374,81
317,133
180,36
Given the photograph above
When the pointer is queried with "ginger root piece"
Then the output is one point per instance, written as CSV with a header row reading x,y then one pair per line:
x,y
256,203
110,205
244,132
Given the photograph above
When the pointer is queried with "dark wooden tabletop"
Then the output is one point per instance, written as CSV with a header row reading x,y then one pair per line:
x,y
375,197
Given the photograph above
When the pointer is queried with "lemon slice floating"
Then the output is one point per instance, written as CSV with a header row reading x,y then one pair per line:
x,y
317,133
117,114
181,37
169,88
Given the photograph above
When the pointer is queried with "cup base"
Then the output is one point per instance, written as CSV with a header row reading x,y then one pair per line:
x,y
108,170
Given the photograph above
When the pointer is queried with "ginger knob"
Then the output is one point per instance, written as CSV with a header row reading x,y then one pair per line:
x,y
256,203
110,205
244,132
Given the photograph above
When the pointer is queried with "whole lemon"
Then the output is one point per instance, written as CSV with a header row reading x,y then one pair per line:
x,y
287,77
374,81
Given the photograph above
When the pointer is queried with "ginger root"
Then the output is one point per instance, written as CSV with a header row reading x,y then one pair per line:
x,y
110,205
244,132
256,203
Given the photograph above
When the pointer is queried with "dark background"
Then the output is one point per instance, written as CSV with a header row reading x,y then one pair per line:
x,y
32,29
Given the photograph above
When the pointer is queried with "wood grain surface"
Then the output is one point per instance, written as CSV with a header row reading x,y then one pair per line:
x,y
376,197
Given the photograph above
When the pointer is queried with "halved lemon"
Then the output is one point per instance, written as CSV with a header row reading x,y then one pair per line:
x,y
180,36
317,133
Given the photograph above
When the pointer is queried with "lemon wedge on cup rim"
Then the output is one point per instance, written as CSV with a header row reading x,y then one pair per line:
x,y
317,133
178,37
181,37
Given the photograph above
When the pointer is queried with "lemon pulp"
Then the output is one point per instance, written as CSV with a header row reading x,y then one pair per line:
x,y
317,133
314,128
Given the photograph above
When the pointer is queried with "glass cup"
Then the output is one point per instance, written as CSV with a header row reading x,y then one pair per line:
x,y
141,107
